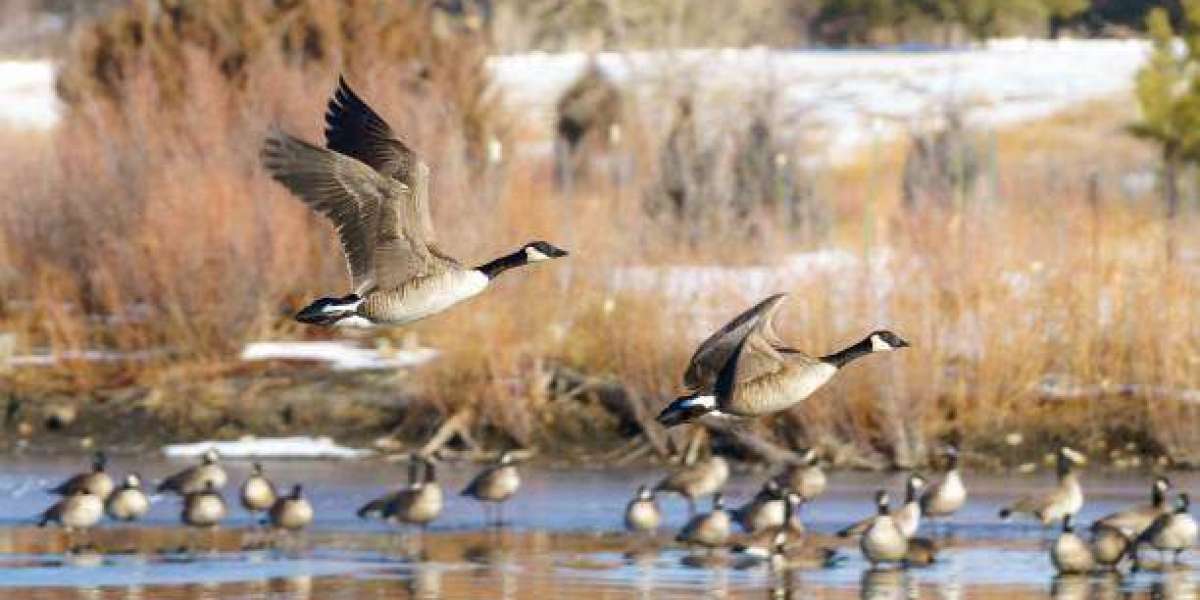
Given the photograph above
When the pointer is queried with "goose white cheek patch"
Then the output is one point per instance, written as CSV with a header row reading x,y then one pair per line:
x,y
879,345
534,255
709,402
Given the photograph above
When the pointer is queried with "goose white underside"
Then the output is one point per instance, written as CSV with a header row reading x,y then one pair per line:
x,y
422,298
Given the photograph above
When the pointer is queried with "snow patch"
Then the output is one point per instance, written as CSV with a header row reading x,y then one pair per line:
x,y
341,356
251,447
27,94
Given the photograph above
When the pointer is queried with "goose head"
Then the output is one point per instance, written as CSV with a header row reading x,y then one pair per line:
x,y
297,492
886,341
915,484
211,456
1182,503
332,311
1068,525
133,481
99,462
644,493
686,409
257,469
1068,456
539,251
718,504
1158,492
809,458
882,501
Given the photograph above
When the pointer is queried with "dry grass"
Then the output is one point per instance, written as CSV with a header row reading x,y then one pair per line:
x,y
148,225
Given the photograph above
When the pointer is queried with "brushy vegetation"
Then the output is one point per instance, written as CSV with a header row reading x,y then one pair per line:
x,y
1047,307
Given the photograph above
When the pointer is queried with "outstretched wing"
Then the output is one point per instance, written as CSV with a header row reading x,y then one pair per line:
x,y
353,128
715,352
359,201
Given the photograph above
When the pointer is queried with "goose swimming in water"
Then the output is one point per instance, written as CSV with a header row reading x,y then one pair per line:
x,y
375,191
745,370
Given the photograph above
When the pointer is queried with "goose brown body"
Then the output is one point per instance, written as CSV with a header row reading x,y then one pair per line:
x,y
703,478
197,478
1064,499
97,481
80,510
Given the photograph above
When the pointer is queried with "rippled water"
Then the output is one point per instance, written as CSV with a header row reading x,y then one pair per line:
x,y
563,541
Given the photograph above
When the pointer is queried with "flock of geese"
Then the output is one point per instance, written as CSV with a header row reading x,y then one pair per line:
x,y
774,533
375,191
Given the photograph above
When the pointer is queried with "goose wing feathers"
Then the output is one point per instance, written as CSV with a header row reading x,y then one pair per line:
x,y
716,352
354,129
373,214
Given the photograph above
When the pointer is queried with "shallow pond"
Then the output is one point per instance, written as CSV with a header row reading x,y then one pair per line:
x,y
563,540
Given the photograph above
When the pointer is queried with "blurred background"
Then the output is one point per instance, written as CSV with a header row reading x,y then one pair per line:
x,y
1010,185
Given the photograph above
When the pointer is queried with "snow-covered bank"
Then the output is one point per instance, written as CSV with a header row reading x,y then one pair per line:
x,y
249,447
845,99
27,94
341,356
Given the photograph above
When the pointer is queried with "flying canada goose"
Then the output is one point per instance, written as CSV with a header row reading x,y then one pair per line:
x,y
292,512
128,502
375,191
907,519
697,480
807,478
1069,554
1109,545
883,541
495,484
709,530
420,504
1172,532
642,513
1053,505
197,478
745,370
767,510
377,507
945,497
258,493
78,511
96,481
1134,520
204,508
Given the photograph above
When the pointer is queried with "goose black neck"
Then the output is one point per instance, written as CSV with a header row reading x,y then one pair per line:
x,y
1156,496
843,357
504,263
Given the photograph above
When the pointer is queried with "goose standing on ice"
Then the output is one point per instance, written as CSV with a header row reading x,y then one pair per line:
x,y
96,481
697,480
128,502
375,191
945,497
495,485
1173,532
642,513
1133,521
1070,554
292,512
883,541
78,511
745,370
197,478
422,502
1064,499
258,493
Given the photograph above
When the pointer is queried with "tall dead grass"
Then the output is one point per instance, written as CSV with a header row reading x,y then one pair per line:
x,y
1050,310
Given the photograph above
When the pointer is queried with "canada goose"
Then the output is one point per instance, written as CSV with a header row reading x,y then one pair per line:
x,y
1069,554
807,478
420,504
79,510
1109,545
197,478
292,512
375,191
128,502
204,508
495,484
883,541
767,510
96,481
907,519
1053,505
709,530
1133,521
258,493
1172,532
945,497
642,513
773,544
745,370
377,507
697,480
